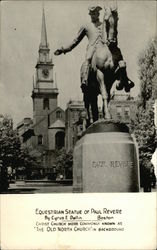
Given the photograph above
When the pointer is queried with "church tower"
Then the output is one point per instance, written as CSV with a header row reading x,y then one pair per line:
x,y
45,91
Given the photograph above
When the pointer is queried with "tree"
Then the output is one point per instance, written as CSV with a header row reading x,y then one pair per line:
x,y
29,162
145,133
148,72
143,126
9,143
64,163
11,153
33,160
9,149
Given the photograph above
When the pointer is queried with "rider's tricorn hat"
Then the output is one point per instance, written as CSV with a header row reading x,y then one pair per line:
x,y
94,8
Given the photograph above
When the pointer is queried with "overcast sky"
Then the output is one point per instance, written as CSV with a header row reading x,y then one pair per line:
x,y
20,38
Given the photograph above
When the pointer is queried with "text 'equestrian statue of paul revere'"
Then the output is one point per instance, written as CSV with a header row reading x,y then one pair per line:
x,y
103,63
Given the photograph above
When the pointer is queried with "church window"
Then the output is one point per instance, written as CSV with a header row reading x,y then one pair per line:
x,y
119,111
73,141
48,120
81,127
58,114
59,140
127,111
40,139
46,103
73,114
100,114
33,105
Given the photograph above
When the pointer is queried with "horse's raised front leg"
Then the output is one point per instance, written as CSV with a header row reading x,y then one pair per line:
x,y
103,91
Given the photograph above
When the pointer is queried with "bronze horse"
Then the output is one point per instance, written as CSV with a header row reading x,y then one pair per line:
x,y
103,71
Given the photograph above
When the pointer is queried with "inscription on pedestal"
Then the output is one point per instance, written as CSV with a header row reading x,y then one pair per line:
x,y
112,164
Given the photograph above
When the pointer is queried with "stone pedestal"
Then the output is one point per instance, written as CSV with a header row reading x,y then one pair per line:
x,y
106,160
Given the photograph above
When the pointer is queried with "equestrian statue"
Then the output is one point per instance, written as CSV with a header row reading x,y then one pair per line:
x,y
104,64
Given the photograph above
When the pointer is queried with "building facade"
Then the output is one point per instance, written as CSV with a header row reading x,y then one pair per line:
x,y
72,115
123,107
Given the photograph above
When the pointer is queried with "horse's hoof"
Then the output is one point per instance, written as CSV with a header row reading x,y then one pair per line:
x,y
108,117
119,86
129,86
127,89
84,87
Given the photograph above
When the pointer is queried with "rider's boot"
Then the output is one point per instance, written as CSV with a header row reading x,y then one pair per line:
x,y
125,82
130,84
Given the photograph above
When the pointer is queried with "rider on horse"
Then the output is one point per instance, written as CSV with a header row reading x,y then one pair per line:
x,y
95,35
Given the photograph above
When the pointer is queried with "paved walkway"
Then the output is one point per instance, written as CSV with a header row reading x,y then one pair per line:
x,y
31,188
43,187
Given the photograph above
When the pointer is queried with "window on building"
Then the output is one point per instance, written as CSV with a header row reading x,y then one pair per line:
x,y
33,105
119,110
81,127
59,139
73,141
46,103
40,139
73,114
58,114
127,111
101,115
48,120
